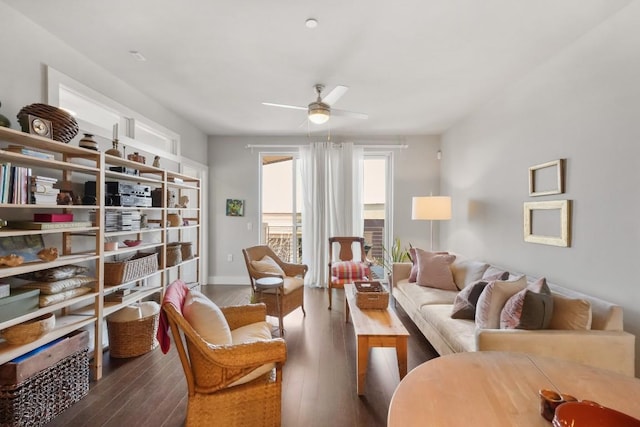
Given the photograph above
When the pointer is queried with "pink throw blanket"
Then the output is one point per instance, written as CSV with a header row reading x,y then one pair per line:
x,y
175,295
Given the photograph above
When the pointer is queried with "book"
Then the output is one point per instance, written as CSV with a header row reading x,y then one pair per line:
x,y
29,152
53,217
44,179
31,225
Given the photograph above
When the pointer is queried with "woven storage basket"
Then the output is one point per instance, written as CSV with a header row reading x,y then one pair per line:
x,y
43,396
187,250
65,126
140,265
174,254
130,338
371,295
30,330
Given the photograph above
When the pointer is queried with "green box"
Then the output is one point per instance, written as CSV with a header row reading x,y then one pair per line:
x,y
20,302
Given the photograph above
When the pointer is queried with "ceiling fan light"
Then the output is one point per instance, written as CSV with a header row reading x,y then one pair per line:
x,y
318,113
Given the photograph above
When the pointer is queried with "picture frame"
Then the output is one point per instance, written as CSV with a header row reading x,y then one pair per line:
x,y
547,178
26,246
563,208
235,207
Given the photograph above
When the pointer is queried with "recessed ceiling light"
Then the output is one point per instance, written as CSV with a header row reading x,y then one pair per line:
x,y
137,55
311,23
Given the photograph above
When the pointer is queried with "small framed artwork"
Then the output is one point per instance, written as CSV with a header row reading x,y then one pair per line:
x,y
547,178
235,207
548,223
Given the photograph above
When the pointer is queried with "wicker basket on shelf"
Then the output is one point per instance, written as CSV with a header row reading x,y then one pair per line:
x,y
174,254
64,125
135,267
30,330
130,337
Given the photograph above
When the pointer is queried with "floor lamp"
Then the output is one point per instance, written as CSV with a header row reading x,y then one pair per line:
x,y
432,208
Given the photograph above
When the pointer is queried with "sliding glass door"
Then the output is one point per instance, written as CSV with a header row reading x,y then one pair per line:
x,y
281,205
377,209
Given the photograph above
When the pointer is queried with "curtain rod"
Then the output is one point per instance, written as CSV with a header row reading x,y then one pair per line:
x,y
386,147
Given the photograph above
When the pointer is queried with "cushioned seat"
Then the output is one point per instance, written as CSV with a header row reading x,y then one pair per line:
x,y
229,361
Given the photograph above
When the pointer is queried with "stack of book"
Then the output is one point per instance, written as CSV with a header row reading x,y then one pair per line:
x,y
42,191
14,186
29,152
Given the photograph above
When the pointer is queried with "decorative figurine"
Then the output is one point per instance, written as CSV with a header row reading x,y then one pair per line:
x,y
48,254
156,162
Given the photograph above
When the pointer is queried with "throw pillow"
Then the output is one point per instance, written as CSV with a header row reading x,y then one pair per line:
x,y
434,270
49,288
206,319
464,306
47,300
413,275
467,271
493,299
54,274
350,270
531,308
569,313
267,265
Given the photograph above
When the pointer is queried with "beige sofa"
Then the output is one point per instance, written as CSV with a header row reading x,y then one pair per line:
x,y
605,345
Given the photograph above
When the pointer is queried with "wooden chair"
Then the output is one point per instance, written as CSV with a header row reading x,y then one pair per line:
x,y
348,266
210,371
292,294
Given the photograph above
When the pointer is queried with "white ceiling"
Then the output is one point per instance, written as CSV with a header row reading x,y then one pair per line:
x,y
415,66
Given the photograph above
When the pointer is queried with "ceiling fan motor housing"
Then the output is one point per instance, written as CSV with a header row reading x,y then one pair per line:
x,y
319,112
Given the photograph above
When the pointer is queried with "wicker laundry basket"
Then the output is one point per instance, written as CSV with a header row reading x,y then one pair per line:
x,y
132,330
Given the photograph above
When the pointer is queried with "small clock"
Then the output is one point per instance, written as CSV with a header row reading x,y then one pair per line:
x,y
39,126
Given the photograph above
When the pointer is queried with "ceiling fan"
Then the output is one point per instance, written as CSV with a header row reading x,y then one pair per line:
x,y
320,110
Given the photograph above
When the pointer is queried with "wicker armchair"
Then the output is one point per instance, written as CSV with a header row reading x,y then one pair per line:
x,y
293,295
210,371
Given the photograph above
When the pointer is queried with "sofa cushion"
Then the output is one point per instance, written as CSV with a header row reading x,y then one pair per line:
x,y
459,334
493,299
467,271
464,306
267,265
425,296
531,308
492,271
206,318
434,270
570,313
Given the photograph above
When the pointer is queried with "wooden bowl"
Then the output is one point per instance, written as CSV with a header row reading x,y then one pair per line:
x,y
132,243
30,330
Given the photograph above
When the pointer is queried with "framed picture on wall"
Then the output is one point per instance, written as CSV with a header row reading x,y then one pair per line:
x,y
235,207
547,178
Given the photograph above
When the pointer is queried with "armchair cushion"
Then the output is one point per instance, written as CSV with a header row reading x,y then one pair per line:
x,y
259,331
206,319
267,265
290,285
352,270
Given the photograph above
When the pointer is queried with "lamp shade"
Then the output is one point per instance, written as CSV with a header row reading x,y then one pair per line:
x,y
431,207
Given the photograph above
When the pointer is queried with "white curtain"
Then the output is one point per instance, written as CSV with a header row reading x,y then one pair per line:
x,y
332,183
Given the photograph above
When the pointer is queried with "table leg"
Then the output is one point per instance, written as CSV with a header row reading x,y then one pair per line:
x,y
279,293
401,353
346,309
362,356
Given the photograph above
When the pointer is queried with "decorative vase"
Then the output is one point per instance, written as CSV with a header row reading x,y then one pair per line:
x,y
136,157
114,151
88,142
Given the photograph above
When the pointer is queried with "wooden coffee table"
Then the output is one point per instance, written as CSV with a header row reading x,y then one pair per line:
x,y
375,328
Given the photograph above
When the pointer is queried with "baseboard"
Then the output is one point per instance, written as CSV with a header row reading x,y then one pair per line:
x,y
228,280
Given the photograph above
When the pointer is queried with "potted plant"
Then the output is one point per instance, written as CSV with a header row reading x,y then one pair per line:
x,y
396,254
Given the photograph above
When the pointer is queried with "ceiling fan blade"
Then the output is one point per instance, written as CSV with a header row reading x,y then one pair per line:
x,y
352,114
333,96
293,107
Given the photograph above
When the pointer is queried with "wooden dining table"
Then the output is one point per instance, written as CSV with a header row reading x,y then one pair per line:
x,y
501,389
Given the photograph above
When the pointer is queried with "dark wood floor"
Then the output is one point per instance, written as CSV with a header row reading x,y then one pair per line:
x,y
319,381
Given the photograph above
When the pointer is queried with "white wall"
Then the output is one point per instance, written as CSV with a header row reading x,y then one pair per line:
x,y
27,48
234,173
582,105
